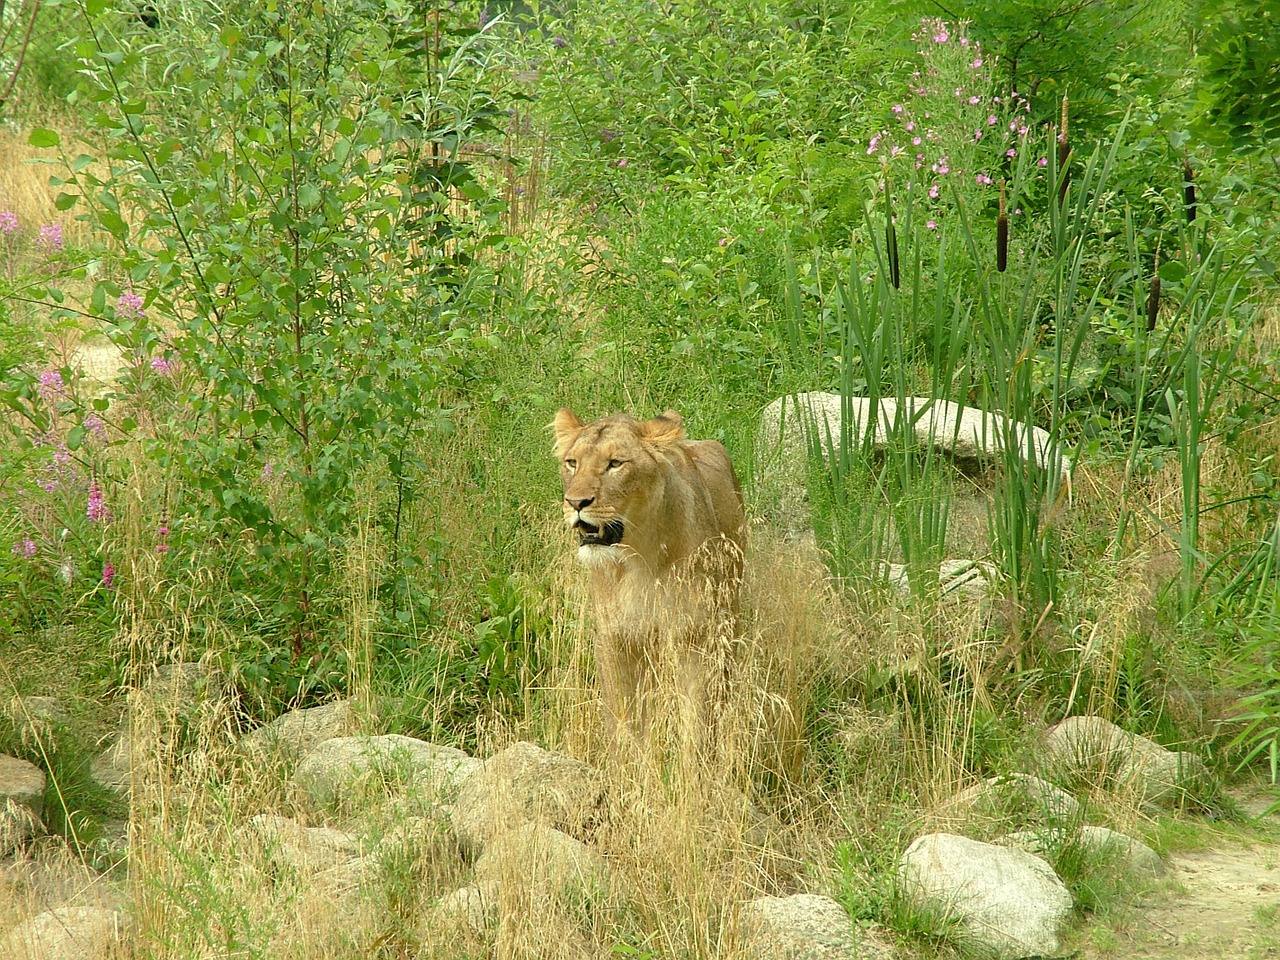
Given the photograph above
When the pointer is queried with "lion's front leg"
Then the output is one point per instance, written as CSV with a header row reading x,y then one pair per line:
x,y
623,672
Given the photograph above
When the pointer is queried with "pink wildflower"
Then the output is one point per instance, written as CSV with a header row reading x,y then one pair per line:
x,y
129,306
50,386
931,224
50,238
1042,162
108,574
97,509
162,366
25,548
95,427
8,222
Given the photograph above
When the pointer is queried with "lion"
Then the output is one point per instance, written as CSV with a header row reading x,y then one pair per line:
x,y
661,528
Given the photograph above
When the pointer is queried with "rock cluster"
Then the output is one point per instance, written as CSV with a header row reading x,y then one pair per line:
x,y
528,819
1004,893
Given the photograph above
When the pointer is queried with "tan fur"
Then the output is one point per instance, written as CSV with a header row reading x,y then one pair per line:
x,y
667,589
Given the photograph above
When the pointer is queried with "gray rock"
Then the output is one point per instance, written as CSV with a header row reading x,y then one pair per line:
x,y
1097,750
537,856
68,933
292,734
1009,901
525,783
793,425
50,875
36,718
180,690
1102,848
957,579
1015,800
112,768
471,910
303,849
21,802
799,927
346,770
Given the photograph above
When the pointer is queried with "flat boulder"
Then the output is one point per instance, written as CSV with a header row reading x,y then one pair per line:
x,y
536,856
1009,902
1015,800
794,427
302,849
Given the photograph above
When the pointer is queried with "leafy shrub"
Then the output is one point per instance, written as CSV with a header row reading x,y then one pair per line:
x,y
292,238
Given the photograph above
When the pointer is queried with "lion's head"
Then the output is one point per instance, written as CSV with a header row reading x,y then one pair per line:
x,y
614,473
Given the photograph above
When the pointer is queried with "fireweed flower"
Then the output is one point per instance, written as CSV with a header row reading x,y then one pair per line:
x,y
129,306
50,386
25,548
97,509
162,366
49,239
8,222
108,574
95,427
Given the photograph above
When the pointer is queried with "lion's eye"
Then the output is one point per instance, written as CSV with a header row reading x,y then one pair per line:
x,y
571,465
615,464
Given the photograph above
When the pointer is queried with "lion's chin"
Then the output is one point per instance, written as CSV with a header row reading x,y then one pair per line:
x,y
598,555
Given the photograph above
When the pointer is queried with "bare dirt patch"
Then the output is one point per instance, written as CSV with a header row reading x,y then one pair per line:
x,y
1221,903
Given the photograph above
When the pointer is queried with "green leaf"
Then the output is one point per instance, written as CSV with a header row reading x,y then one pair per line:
x,y
1173,271
42,138
75,437
66,201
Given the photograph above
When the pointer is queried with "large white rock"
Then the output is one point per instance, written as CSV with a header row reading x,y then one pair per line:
x,y
68,933
344,770
527,784
1098,751
794,426
1010,901
1103,849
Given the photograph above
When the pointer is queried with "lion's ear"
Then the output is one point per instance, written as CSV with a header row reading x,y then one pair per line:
x,y
667,427
566,426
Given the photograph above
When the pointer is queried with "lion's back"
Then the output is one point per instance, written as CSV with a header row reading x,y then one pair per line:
x,y
717,477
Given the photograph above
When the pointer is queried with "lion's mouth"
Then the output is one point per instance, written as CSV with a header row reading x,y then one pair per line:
x,y
590,535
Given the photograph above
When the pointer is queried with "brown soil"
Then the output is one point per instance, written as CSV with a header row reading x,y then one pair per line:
x,y
1220,903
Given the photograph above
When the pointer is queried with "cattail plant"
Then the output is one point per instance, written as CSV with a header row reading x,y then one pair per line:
x,y
1064,153
891,238
1153,294
1188,190
1002,232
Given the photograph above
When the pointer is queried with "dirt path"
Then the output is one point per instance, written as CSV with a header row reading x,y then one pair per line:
x,y
1221,903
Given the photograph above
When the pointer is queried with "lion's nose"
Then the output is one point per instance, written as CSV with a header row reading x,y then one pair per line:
x,y
579,503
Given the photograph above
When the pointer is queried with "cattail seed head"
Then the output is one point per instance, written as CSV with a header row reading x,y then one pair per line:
x,y
1153,294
